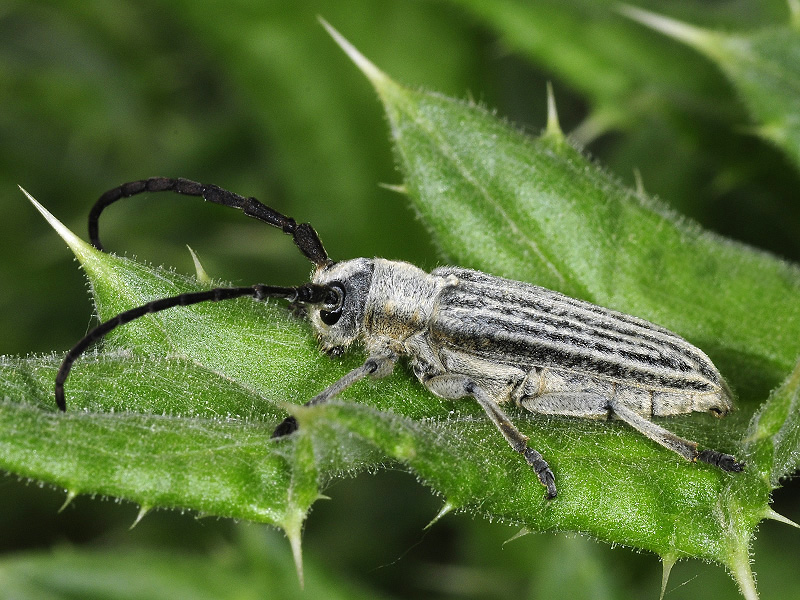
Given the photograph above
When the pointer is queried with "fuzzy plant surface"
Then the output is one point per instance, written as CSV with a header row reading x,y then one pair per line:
x,y
176,410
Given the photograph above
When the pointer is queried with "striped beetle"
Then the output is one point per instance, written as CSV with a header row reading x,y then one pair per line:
x,y
466,333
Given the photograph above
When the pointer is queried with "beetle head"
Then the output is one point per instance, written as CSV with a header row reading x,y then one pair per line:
x,y
339,320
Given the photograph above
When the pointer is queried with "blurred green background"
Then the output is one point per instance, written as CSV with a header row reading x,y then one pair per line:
x,y
253,95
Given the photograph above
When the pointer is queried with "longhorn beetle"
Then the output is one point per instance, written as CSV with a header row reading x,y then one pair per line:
x,y
466,333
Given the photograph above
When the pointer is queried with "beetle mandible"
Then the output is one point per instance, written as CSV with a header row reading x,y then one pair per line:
x,y
467,333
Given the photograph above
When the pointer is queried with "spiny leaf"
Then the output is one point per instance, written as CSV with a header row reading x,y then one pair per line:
x,y
182,403
225,464
217,458
763,65
610,485
538,211
613,64
774,434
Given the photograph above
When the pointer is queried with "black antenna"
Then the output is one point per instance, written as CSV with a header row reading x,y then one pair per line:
x,y
306,293
303,234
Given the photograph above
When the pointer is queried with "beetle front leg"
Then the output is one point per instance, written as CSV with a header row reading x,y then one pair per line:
x,y
377,366
458,386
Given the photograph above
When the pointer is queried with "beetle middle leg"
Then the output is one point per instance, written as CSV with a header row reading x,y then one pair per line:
x,y
457,386
377,366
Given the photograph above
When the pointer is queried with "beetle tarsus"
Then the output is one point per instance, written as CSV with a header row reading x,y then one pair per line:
x,y
287,426
542,470
726,462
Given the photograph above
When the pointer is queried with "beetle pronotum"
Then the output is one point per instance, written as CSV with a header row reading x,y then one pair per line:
x,y
466,333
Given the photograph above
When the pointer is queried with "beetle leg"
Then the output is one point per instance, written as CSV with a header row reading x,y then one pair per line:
x,y
685,448
458,386
378,366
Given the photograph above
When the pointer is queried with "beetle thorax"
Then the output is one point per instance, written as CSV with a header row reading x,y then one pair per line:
x,y
400,304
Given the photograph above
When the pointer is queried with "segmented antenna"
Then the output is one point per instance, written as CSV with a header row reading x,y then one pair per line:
x,y
303,234
307,293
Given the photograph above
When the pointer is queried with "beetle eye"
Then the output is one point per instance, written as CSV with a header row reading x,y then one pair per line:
x,y
330,317
333,303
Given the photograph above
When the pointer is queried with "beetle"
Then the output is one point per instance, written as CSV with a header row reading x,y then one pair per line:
x,y
466,333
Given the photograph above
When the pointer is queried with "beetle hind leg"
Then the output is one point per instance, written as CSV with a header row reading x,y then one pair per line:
x,y
685,448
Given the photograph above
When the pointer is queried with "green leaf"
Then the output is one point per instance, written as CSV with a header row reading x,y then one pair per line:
x,y
204,450
652,98
609,60
774,434
538,211
183,404
763,65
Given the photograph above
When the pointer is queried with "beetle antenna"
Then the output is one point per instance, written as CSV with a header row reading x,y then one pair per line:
x,y
303,234
310,293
